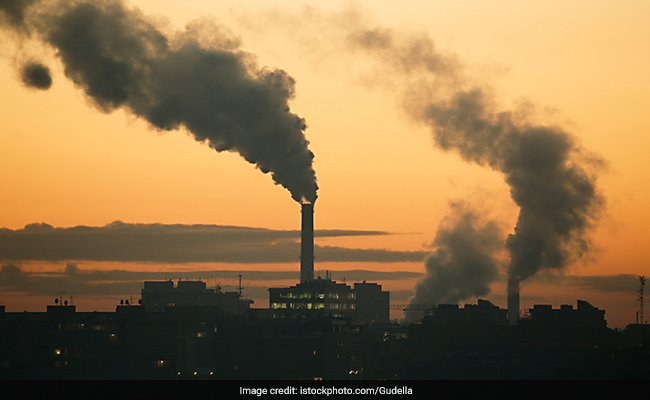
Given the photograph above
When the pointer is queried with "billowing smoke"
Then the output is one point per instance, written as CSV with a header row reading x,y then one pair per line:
x,y
463,263
206,85
13,13
36,75
558,198
551,178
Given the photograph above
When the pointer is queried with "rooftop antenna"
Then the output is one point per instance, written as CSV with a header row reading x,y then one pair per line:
x,y
640,316
239,301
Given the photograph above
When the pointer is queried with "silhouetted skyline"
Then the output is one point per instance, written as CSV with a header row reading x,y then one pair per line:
x,y
408,125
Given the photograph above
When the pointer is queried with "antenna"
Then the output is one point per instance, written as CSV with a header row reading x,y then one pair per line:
x,y
239,300
642,283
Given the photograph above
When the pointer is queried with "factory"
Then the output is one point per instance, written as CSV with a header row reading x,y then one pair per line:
x,y
323,297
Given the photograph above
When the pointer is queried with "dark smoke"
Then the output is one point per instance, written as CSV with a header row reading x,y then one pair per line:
x,y
558,199
13,12
36,75
551,179
215,91
463,264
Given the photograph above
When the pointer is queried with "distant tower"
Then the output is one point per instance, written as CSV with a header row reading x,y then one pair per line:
x,y
640,317
513,301
307,243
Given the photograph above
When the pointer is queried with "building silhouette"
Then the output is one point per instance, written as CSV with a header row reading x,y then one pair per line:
x,y
157,295
365,302
188,334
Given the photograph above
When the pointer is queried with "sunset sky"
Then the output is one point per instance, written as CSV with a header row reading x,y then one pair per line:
x,y
385,186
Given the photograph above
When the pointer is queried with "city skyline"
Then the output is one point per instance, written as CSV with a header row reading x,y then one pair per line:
x,y
385,188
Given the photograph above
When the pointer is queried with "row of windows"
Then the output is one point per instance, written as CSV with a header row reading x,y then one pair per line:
x,y
79,326
313,306
310,295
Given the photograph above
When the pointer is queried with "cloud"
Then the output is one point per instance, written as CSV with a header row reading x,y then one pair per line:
x,y
620,283
125,242
77,281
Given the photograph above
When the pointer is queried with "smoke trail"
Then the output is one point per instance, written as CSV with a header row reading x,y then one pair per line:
x,y
464,261
215,91
13,13
558,198
547,171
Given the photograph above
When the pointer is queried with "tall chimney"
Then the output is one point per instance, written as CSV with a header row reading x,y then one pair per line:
x,y
513,301
307,243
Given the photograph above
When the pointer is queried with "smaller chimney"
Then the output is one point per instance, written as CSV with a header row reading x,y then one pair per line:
x,y
307,243
513,301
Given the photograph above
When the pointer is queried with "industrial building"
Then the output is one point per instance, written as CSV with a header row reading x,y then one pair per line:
x,y
365,302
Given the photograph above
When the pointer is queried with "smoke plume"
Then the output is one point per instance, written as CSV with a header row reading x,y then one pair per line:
x,y
206,85
558,199
13,13
463,263
551,178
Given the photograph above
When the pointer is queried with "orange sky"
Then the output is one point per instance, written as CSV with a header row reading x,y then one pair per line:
x,y
64,163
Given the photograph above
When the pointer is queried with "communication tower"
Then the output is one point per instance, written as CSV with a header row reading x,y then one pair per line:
x,y
640,316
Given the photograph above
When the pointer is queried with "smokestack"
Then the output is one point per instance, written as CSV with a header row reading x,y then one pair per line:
x,y
513,300
307,243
